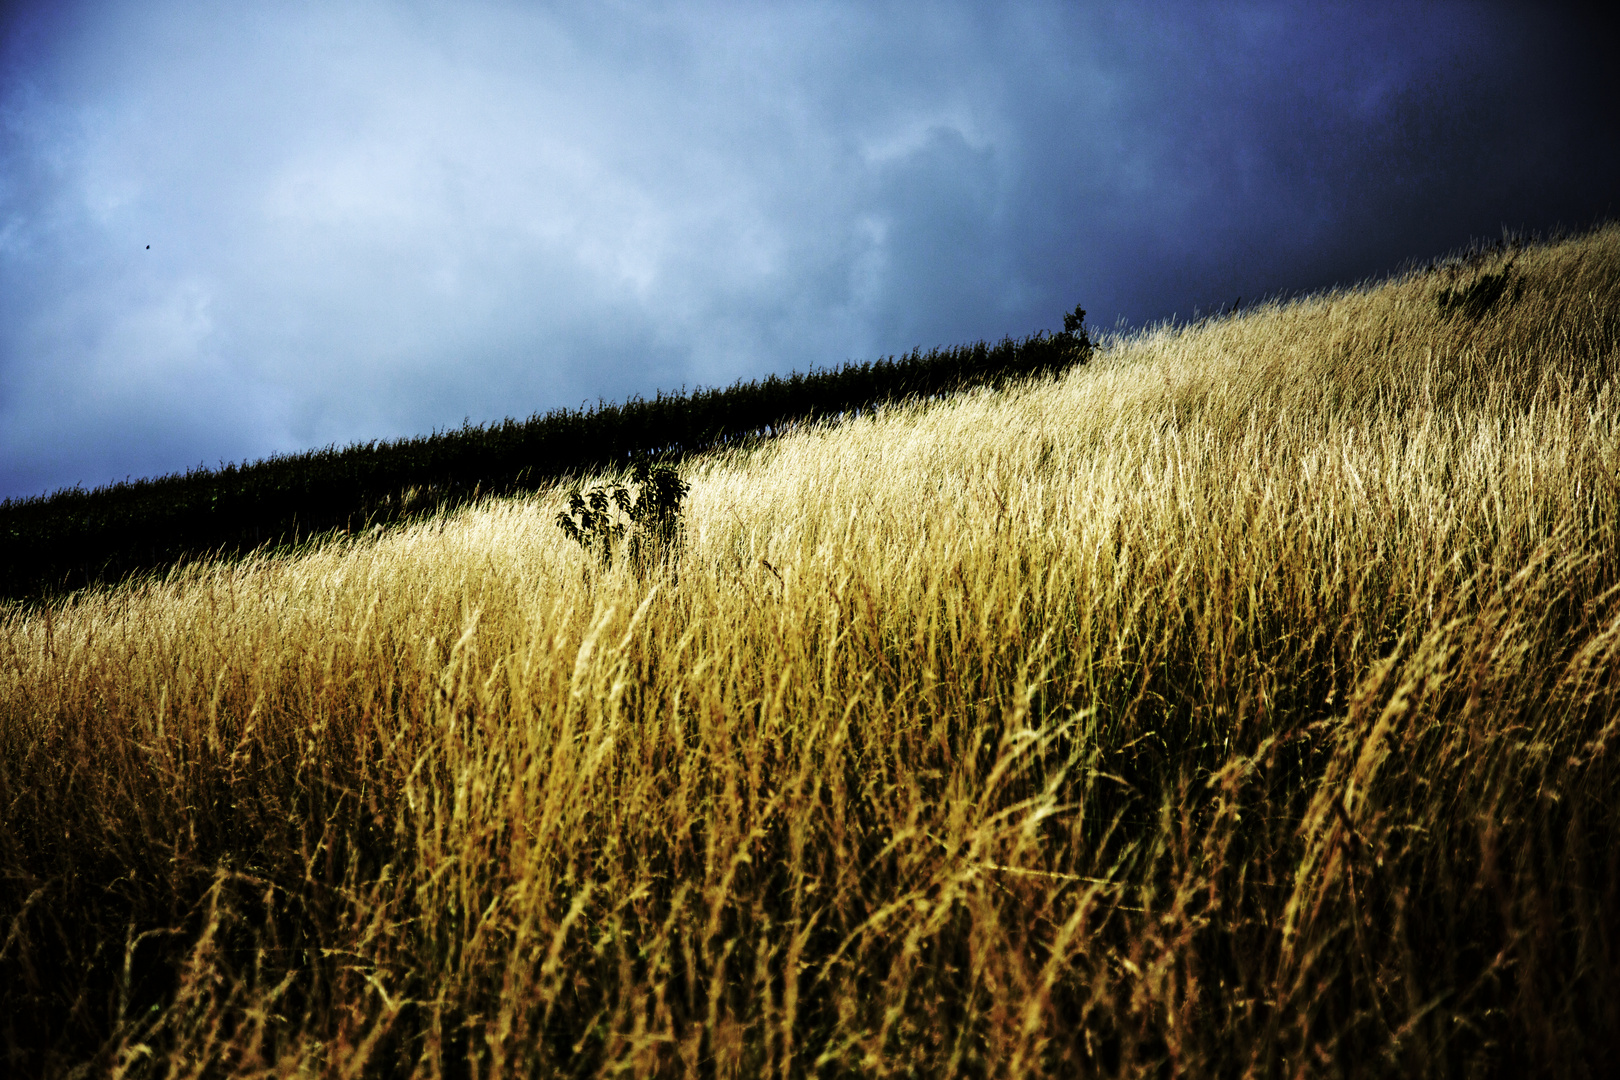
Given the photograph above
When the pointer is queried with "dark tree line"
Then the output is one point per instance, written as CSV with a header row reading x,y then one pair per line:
x,y
74,537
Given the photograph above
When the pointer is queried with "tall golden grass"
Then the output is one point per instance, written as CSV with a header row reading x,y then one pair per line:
x,y
1241,704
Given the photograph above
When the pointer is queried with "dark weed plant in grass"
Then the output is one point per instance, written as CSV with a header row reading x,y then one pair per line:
x,y
645,527
1480,295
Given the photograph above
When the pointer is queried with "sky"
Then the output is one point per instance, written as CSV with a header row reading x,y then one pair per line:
x,y
235,229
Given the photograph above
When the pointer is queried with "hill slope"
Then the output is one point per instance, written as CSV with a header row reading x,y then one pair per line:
x,y
53,544
1243,702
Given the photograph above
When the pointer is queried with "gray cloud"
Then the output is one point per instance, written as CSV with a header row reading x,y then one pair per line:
x,y
368,220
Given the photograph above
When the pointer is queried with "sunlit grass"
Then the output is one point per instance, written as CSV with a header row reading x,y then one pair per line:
x,y
1243,703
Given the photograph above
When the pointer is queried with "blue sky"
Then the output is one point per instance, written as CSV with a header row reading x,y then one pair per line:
x,y
370,220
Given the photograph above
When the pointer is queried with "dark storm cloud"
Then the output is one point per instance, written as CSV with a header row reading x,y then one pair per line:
x,y
369,219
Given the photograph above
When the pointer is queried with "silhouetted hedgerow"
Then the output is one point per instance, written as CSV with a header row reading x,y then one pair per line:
x,y
72,538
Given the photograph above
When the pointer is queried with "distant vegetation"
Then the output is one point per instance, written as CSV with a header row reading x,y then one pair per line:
x,y
1245,703
56,543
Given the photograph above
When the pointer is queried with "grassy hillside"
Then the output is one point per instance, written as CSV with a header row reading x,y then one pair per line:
x,y
1244,703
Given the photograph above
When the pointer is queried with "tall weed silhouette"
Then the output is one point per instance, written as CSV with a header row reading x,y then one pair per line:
x,y
645,527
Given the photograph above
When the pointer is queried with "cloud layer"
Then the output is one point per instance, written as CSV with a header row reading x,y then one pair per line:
x,y
373,219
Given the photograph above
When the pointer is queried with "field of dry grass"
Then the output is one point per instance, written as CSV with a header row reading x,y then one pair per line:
x,y
1244,703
